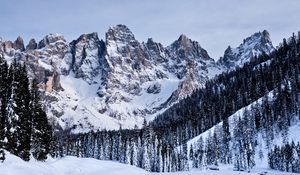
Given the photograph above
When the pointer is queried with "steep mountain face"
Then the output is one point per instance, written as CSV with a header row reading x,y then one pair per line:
x,y
94,84
87,57
254,45
129,65
190,63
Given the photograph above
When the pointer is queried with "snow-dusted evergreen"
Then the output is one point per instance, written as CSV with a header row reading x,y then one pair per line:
x,y
24,124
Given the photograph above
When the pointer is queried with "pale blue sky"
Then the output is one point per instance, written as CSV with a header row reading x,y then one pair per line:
x,y
215,24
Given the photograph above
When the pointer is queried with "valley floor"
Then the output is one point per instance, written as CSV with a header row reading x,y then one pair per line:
x,y
88,166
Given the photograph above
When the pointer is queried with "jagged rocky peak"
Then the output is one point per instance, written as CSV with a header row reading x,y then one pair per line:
x,y
131,68
51,38
228,50
19,44
124,50
12,48
87,52
31,45
45,59
185,48
120,33
229,53
254,45
156,51
186,56
88,37
7,46
86,41
184,40
259,40
266,37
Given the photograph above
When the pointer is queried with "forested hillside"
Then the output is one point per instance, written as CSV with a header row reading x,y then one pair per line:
x,y
24,127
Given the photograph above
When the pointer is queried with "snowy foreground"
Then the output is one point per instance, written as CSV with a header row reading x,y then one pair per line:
x,y
88,166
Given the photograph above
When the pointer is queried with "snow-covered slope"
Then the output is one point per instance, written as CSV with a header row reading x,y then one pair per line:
x,y
88,166
91,83
261,164
65,166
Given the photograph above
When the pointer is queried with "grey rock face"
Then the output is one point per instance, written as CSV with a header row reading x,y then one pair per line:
x,y
88,53
51,38
19,44
185,48
31,45
156,51
127,62
154,88
186,56
254,45
8,47
190,63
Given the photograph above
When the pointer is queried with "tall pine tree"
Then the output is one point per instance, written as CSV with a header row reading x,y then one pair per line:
x,y
41,130
3,104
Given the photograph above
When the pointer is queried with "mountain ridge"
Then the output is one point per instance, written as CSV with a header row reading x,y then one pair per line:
x,y
126,80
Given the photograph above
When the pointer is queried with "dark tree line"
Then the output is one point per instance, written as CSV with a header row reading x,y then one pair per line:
x,y
139,147
24,127
240,146
285,158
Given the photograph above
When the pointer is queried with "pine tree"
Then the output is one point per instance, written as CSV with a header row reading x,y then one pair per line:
x,y
200,153
225,143
191,153
24,125
128,153
3,104
185,157
41,129
11,116
146,162
238,150
134,154
22,102
249,138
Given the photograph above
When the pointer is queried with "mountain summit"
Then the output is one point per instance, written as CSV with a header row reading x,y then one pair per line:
x,y
254,45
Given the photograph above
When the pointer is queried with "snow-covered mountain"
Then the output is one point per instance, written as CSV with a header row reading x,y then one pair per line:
x,y
91,83
254,45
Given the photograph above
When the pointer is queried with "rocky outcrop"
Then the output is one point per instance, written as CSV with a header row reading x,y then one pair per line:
x,y
156,51
7,47
154,88
187,56
190,63
88,53
31,45
128,64
19,44
49,39
254,45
